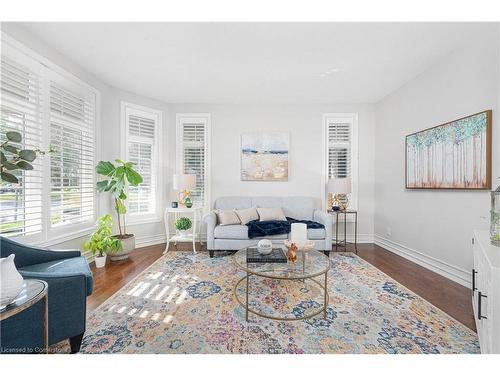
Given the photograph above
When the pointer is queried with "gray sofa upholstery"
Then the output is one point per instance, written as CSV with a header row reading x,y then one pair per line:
x,y
235,237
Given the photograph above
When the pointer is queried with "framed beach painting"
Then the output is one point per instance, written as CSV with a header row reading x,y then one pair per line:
x,y
455,155
264,156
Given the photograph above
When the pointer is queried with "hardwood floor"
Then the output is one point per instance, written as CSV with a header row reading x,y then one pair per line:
x,y
447,295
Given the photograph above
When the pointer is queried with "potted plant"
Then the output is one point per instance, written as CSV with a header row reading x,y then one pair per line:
x,y
102,242
183,224
117,179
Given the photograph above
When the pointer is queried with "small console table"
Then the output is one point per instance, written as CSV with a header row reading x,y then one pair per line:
x,y
343,243
194,236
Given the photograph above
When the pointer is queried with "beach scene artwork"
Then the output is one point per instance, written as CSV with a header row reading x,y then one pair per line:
x,y
264,156
455,155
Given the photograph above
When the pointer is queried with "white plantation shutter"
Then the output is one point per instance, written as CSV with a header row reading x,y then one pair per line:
x,y
339,135
72,119
142,126
341,144
192,152
20,110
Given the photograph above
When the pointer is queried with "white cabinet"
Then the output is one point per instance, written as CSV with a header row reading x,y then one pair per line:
x,y
486,291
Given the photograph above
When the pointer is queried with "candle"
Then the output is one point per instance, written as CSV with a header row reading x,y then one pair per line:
x,y
299,234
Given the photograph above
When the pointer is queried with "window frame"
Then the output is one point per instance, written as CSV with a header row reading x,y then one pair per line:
x,y
180,119
351,118
128,108
48,71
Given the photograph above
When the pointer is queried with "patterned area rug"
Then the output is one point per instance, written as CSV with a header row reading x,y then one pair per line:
x,y
184,303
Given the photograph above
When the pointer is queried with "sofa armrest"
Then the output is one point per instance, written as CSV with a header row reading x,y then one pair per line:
x,y
325,219
29,255
211,221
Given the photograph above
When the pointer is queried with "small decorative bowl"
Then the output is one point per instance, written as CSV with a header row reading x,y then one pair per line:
x,y
264,247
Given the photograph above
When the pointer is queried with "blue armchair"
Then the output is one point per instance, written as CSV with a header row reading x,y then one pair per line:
x,y
70,282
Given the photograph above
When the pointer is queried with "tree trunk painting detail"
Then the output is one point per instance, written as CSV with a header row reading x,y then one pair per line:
x,y
456,155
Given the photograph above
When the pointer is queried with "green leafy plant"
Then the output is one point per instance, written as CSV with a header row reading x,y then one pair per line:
x,y
116,183
101,241
183,223
13,158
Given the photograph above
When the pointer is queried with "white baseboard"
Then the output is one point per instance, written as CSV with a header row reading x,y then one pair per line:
x,y
447,270
150,240
362,238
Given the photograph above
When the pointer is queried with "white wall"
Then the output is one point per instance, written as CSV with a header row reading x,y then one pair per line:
x,y
434,227
304,124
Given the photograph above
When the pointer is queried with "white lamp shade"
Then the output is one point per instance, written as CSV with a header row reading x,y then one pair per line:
x,y
339,186
184,182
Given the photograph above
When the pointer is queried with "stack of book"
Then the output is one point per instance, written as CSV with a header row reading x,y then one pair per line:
x,y
277,255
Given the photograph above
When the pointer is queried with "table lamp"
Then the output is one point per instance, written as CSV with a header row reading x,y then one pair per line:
x,y
340,188
184,184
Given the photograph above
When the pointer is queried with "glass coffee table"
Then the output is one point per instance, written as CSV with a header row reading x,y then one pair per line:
x,y
309,266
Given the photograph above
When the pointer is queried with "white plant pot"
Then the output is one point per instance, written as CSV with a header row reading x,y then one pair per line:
x,y
11,281
100,262
128,247
183,233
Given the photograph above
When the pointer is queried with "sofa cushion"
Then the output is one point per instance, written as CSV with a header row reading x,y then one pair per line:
x,y
64,267
234,232
233,203
274,213
316,234
248,214
239,232
227,217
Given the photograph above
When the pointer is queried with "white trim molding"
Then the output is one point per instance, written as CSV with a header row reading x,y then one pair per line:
x,y
442,268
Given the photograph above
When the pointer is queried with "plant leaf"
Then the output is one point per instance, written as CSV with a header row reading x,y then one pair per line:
x,y
133,177
24,165
27,155
2,157
14,136
9,166
105,168
11,149
120,207
8,177
102,185
122,196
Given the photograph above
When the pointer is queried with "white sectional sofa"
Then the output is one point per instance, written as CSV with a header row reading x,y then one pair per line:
x,y
235,237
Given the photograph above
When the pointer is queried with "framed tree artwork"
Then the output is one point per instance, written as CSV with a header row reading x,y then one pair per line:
x,y
455,155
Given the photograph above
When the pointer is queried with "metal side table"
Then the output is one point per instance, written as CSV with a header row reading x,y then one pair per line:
x,y
33,291
343,243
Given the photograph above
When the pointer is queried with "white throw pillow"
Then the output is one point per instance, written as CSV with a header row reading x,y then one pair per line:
x,y
247,215
275,213
228,218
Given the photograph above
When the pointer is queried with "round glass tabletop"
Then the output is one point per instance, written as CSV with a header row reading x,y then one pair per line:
x,y
33,290
309,264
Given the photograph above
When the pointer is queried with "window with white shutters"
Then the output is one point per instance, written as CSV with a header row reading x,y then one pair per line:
x,y
72,164
340,146
142,129
20,110
192,152
52,110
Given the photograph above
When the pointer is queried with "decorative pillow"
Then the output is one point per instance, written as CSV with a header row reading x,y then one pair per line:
x,y
247,215
275,213
227,218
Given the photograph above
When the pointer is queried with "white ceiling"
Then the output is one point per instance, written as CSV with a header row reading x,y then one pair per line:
x,y
257,62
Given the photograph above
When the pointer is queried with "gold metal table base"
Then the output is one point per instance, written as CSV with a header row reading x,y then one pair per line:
x,y
326,297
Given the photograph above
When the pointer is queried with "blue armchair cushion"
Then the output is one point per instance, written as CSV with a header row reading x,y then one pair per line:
x,y
61,268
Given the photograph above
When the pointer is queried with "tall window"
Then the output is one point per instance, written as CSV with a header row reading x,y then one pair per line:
x,y
72,164
193,157
48,107
141,127
340,140
21,203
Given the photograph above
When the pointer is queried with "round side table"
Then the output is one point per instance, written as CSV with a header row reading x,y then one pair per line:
x,y
33,291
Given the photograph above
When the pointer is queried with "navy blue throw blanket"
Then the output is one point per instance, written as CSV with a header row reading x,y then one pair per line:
x,y
258,228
